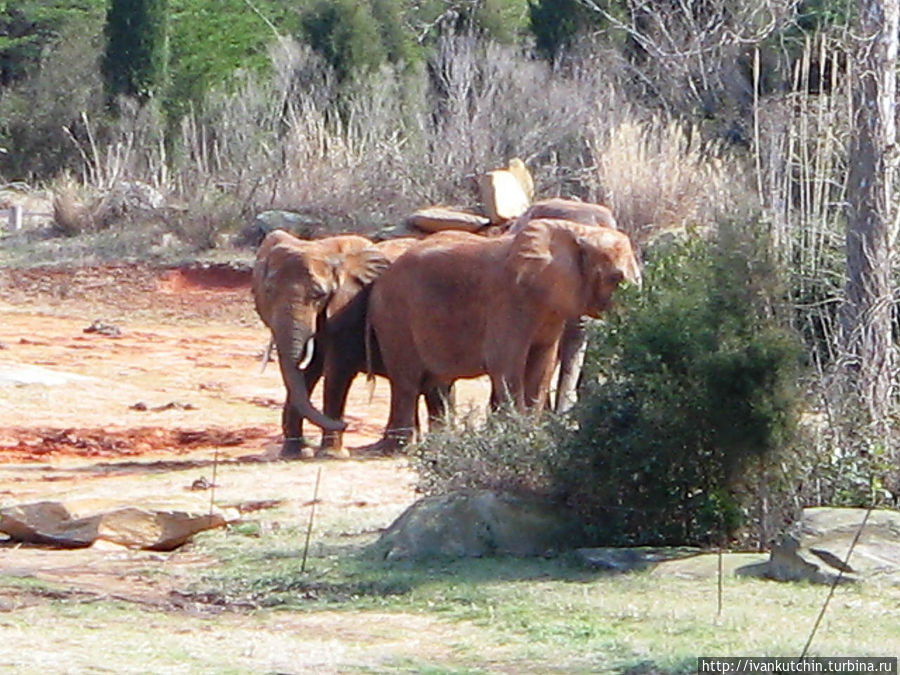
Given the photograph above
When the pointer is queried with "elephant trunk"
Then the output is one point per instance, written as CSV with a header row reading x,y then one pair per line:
x,y
295,352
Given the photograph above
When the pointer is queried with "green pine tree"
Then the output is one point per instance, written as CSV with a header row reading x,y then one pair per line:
x,y
559,24
346,34
136,58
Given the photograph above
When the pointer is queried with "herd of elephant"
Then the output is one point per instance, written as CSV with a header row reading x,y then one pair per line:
x,y
425,312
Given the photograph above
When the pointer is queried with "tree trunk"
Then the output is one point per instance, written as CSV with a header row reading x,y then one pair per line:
x,y
866,314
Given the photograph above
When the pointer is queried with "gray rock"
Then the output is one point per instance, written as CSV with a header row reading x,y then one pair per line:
x,y
477,524
624,559
816,548
302,225
48,524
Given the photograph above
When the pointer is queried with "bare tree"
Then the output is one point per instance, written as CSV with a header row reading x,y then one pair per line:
x,y
871,229
690,48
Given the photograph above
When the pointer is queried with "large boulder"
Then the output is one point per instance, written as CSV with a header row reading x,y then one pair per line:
x,y
518,169
503,194
475,524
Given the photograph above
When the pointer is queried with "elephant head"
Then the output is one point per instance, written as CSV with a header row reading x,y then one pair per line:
x,y
575,267
297,285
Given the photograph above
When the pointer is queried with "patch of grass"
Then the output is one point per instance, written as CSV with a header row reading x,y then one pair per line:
x,y
554,615
26,583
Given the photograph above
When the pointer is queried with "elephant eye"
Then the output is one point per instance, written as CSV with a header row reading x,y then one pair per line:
x,y
317,292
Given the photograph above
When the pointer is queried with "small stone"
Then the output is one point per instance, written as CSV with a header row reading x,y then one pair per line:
x,y
103,328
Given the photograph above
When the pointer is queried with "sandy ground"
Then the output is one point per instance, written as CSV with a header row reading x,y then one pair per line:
x,y
124,385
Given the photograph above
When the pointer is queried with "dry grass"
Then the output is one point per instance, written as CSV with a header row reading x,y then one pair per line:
x,y
662,175
71,215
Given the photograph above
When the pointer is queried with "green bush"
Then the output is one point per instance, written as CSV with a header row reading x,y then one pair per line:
x,y
691,398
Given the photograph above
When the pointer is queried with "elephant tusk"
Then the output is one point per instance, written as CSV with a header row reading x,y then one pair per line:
x,y
267,354
309,350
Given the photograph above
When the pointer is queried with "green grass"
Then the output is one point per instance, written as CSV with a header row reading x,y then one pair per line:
x,y
349,612
554,615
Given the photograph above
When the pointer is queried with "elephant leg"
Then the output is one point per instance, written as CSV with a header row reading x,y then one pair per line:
x,y
401,421
338,378
538,374
572,349
439,403
294,445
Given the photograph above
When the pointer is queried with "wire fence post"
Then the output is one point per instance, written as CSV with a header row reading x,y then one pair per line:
x,y
312,515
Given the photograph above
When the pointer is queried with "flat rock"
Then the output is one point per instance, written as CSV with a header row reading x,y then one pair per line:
x,y
476,524
153,530
440,218
48,524
51,524
631,559
816,548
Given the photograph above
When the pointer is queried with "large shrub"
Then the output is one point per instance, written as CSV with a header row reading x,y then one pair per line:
x,y
690,404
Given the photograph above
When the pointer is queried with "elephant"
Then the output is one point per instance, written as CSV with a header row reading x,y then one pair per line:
x,y
342,338
297,286
571,210
470,306
573,345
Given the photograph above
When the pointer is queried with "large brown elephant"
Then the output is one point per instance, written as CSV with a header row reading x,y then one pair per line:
x,y
297,286
573,344
473,306
342,339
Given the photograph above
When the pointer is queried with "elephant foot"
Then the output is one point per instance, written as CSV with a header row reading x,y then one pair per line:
x,y
388,446
296,450
333,453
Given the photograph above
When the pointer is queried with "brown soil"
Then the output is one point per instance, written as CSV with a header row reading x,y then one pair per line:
x,y
157,378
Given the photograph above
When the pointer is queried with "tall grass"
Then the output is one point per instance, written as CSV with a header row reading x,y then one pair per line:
x,y
662,175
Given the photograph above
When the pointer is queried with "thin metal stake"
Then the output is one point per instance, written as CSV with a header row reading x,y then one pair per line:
x,y
721,585
312,515
212,487
835,582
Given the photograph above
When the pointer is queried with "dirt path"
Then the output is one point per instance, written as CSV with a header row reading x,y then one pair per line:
x,y
121,386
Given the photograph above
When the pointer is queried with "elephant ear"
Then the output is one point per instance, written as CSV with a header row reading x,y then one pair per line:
x,y
364,266
531,250
353,272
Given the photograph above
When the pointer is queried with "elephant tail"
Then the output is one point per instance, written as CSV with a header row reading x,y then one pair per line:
x,y
370,368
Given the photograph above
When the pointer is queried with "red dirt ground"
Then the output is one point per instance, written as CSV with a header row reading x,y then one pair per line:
x,y
162,361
